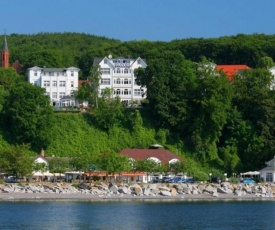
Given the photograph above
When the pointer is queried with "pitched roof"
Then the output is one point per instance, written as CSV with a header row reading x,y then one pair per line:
x,y
142,154
231,70
5,45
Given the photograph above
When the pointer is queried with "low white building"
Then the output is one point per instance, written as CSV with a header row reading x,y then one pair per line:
x,y
268,173
58,83
118,74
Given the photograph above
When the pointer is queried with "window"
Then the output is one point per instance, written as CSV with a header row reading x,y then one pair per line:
x,y
62,83
54,95
35,73
105,61
54,83
126,82
51,73
105,71
72,83
125,91
139,61
269,177
35,83
117,81
61,95
57,73
118,70
105,81
72,73
138,92
118,92
46,84
126,71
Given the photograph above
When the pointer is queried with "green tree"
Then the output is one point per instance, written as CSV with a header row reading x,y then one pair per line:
x,y
255,101
94,78
113,163
28,115
40,167
9,78
16,161
209,103
166,78
265,62
109,110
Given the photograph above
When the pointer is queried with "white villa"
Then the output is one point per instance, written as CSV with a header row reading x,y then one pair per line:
x,y
118,74
59,83
268,173
272,70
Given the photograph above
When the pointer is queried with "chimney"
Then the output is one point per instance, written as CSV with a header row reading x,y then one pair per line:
x,y
42,153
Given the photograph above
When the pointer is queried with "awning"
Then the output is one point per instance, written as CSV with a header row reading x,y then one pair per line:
x,y
251,173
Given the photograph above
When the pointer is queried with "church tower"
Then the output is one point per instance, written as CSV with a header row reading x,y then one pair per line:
x,y
5,54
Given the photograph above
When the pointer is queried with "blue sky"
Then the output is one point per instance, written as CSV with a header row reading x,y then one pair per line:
x,y
154,20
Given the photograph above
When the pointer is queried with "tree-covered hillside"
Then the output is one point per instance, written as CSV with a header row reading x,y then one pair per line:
x,y
75,49
190,108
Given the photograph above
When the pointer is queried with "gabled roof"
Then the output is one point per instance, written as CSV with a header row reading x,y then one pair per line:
x,y
231,70
97,61
54,69
271,162
142,154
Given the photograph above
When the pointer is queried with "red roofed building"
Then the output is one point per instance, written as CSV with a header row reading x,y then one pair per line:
x,y
159,155
231,70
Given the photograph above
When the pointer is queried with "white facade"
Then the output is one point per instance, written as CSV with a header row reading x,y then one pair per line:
x,y
118,74
58,82
272,70
268,173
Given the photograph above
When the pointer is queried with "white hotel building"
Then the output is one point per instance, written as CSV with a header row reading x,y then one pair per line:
x,y
59,83
118,74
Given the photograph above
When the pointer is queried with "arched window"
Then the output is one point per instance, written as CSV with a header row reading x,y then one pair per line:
x,y
118,70
118,81
126,70
118,91
125,91
126,82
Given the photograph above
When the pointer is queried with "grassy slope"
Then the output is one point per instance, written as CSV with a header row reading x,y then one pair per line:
x,y
74,134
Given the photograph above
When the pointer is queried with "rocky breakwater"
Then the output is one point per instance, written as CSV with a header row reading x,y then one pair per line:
x,y
180,190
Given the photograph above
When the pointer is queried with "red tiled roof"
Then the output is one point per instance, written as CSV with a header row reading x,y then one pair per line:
x,y
231,70
142,154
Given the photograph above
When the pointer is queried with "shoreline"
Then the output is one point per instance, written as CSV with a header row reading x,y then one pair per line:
x,y
49,197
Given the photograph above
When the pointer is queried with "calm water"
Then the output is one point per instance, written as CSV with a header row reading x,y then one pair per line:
x,y
235,215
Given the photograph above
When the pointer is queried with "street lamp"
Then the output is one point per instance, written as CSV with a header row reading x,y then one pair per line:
x,y
225,175
210,175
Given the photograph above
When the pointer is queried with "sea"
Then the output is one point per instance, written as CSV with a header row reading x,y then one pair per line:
x,y
59,215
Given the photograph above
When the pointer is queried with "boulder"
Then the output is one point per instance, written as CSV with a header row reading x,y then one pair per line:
x,y
215,194
165,193
123,190
224,190
146,191
164,188
173,192
113,188
84,186
136,189
210,189
34,189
